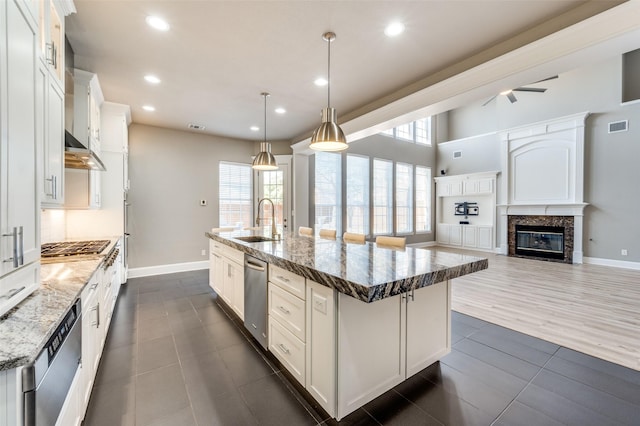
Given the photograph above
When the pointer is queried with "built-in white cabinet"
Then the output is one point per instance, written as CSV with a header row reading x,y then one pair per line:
x,y
51,41
476,229
226,275
50,130
19,184
71,412
287,312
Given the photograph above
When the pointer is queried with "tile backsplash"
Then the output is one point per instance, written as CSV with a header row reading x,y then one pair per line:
x,y
52,225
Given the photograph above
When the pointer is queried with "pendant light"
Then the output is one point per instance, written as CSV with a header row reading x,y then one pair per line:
x,y
265,159
329,136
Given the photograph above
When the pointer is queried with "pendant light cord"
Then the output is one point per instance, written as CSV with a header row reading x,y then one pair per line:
x,y
329,73
265,117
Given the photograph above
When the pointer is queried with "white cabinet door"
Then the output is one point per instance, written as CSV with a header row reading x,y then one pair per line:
x,y
321,345
228,283
470,186
216,273
470,236
485,186
428,326
485,237
19,187
70,412
368,365
455,235
90,340
442,233
238,289
53,167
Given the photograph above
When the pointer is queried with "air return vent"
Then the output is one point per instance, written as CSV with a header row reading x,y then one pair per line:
x,y
457,154
195,126
619,126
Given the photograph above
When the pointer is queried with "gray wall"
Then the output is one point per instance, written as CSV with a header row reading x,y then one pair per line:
x,y
388,148
611,170
170,172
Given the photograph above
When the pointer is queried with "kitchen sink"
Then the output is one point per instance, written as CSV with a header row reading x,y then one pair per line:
x,y
254,239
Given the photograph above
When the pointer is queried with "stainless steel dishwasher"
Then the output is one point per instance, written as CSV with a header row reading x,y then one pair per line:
x,y
255,298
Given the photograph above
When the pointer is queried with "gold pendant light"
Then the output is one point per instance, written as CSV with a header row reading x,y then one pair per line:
x,y
265,159
329,136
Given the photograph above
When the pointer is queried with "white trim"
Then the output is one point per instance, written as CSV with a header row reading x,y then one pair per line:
x,y
422,245
611,262
147,271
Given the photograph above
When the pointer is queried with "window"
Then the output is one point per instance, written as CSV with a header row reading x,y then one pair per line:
x,y
273,189
423,199
328,195
357,194
418,132
234,195
404,198
382,196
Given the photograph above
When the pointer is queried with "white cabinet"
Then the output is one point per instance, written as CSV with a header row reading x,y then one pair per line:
x,y
52,43
70,413
378,345
473,231
226,275
91,339
50,128
216,272
19,185
287,317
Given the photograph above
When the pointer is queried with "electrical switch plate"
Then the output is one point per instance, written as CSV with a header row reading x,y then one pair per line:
x,y
203,252
623,252
203,202
319,303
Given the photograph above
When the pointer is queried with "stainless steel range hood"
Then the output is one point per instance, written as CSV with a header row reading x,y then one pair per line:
x,y
77,156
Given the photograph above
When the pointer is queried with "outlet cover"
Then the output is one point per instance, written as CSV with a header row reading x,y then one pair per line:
x,y
203,202
624,252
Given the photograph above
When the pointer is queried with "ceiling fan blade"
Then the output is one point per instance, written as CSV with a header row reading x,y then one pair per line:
x,y
512,97
490,99
546,79
530,89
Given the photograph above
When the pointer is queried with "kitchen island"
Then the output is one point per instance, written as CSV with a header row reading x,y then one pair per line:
x,y
348,321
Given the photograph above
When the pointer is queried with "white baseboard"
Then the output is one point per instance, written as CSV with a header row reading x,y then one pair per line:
x,y
148,271
613,263
425,244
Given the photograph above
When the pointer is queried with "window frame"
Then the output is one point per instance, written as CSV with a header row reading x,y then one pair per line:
x,y
250,192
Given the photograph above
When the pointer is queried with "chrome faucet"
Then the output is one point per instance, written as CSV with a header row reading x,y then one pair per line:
x,y
274,231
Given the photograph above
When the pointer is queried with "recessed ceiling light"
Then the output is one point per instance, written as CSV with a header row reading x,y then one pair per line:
x,y
506,92
394,29
148,108
320,81
254,128
152,79
157,23
281,110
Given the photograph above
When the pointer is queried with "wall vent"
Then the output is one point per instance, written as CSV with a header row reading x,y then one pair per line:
x,y
619,126
457,154
194,126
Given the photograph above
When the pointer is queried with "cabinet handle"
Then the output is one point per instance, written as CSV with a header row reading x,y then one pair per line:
x,y
13,259
51,54
55,187
215,255
9,294
413,293
21,243
285,310
97,320
94,286
283,348
286,280
52,194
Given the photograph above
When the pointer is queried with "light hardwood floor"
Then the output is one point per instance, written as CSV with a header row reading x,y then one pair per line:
x,y
592,309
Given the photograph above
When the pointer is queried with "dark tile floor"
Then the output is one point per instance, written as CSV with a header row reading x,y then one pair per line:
x,y
174,357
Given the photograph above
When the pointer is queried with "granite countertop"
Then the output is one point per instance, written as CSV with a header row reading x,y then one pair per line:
x,y
25,329
364,271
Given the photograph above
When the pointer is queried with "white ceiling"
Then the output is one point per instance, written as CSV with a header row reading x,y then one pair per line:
x,y
219,56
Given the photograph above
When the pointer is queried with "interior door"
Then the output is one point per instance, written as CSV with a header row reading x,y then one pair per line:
x,y
275,185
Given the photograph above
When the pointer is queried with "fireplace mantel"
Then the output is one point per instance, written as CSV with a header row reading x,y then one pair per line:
x,y
569,209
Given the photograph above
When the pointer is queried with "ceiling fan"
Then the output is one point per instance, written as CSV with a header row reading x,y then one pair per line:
x,y
509,93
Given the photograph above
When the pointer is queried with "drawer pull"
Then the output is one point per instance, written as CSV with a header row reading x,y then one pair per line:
x,y
283,348
285,310
286,280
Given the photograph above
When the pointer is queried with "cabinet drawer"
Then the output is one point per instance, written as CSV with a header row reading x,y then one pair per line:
x,y
90,291
288,310
234,255
289,281
215,247
288,349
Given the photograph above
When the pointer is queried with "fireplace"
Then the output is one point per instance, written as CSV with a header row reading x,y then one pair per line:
x,y
540,241
541,237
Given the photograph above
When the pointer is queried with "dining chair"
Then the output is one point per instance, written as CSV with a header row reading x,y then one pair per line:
x,y
224,229
394,242
303,230
328,233
352,237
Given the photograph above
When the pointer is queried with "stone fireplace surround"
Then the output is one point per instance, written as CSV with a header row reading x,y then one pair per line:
x,y
562,221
